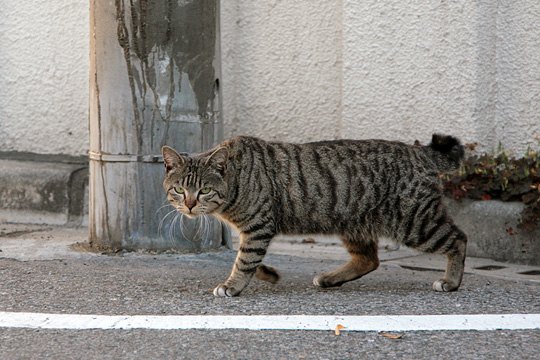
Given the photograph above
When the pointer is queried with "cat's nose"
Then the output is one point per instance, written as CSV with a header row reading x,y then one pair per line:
x,y
190,203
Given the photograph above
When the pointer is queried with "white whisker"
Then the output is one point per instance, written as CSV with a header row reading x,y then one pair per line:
x,y
181,226
207,224
199,233
164,206
171,238
160,226
204,222
202,228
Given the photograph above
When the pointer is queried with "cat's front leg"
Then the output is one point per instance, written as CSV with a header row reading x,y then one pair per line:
x,y
250,255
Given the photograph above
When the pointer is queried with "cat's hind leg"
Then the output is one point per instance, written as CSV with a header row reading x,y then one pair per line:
x,y
364,259
455,265
431,230
267,273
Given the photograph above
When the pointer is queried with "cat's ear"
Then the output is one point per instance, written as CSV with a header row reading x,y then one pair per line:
x,y
219,158
171,158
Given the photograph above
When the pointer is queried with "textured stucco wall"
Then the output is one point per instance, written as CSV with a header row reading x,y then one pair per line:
x,y
304,70
44,76
386,69
471,68
409,69
281,64
518,73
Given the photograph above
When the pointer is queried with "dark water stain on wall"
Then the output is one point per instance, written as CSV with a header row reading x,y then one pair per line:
x,y
163,41
169,51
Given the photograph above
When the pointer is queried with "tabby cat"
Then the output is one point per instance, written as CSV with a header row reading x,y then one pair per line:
x,y
358,189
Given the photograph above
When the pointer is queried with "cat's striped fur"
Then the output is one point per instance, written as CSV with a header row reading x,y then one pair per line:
x,y
360,190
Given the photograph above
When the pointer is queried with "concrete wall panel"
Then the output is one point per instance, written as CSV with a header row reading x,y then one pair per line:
x,y
44,76
282,68
409,69
304,70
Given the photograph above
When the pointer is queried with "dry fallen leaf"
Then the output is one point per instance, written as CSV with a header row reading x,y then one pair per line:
x,y
308,241
390,335
339,327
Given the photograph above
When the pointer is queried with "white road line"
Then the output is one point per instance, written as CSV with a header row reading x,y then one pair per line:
x,y
273,322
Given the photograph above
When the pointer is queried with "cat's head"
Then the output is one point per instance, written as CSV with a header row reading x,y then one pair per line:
x,y
195,184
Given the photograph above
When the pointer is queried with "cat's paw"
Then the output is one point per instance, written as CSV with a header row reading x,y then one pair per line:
x,y
225,291
325,281
444,286
317,281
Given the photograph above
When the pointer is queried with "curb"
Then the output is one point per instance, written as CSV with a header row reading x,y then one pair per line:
x,y
41,243
55,192
492,230
390,254
43,192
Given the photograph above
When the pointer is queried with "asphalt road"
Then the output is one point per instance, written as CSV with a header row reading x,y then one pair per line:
x,y
69,282
228,344
133,283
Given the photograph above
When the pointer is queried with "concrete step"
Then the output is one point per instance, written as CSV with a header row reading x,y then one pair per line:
x,y
28,242
55,192
390,254
38,192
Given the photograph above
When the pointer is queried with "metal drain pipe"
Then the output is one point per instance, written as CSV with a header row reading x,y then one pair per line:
x,y
154,77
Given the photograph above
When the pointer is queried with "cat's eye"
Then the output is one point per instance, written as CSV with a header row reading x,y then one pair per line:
x,y
205,190
179,190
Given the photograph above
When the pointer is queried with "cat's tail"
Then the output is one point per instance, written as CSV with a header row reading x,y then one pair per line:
x,y
267,273
446,151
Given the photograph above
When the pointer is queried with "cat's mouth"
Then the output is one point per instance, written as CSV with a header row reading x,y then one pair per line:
x,y
190,215
193,213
